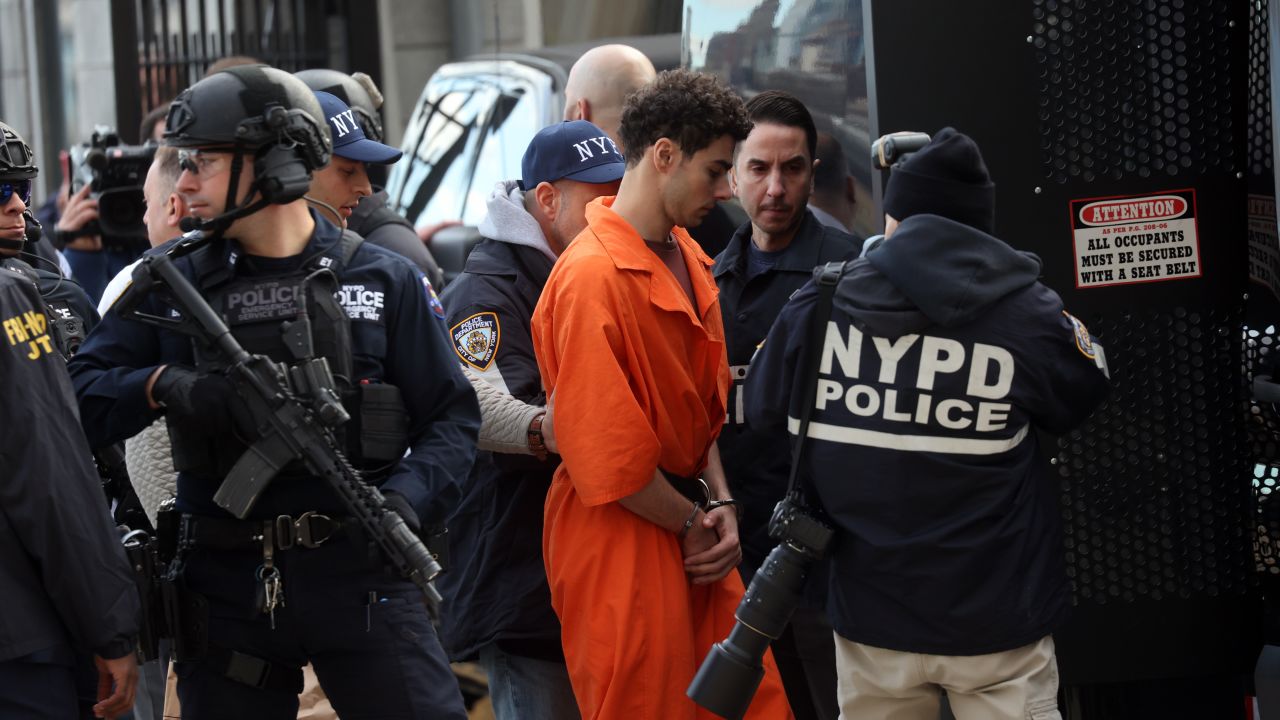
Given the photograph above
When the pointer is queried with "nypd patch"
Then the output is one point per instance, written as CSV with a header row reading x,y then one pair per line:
x,y
1083,342
476,339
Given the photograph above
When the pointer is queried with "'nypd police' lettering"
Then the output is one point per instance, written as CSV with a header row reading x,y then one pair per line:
x,y
956,386
262,301
361,302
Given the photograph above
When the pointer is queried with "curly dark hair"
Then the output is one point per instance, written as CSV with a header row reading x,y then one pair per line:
x,y
691,108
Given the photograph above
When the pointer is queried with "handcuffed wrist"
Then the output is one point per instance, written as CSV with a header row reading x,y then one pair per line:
x,y
737,506
689,523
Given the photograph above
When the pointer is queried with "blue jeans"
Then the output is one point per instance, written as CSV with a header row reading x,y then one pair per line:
x,y
525,688
148,702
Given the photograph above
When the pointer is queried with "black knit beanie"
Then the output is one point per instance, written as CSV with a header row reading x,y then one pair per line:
x,y
947,177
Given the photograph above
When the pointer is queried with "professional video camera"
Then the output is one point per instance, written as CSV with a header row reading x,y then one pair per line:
x,y
115,174
728,678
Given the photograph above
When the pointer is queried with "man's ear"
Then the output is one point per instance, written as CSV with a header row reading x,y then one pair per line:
x,y
666,155
733,179
547,198
850,190
174,210
581,110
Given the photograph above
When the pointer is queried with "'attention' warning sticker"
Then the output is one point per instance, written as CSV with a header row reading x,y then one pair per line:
x,y
1132,239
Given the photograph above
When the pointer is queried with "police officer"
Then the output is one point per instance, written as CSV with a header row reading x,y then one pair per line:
x,y
373,219
498,605
942,359
295,582
67,586
70,312
768,259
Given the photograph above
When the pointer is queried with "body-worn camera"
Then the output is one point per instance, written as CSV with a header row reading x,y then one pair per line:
x,y
731,673
115,174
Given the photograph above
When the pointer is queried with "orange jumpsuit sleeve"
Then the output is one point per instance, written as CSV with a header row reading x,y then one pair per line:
x,y
588,349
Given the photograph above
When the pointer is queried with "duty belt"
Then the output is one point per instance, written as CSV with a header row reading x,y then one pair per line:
x,y
309,530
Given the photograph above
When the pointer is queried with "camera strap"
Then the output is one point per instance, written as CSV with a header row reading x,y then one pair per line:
x,y
827,277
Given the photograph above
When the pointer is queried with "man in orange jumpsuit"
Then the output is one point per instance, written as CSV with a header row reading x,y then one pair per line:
x,y
631,348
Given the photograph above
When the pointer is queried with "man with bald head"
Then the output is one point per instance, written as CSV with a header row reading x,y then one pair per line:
x,y
601,80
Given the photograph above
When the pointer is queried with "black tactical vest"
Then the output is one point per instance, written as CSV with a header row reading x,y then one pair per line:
x,y
265,313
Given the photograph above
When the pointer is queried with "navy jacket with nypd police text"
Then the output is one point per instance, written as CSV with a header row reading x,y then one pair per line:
x,y
943,357
397,337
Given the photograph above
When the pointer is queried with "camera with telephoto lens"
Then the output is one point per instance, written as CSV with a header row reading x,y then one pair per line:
x,y
115,174
731,673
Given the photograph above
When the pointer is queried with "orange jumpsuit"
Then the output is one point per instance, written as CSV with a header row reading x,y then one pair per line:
x,y
640,381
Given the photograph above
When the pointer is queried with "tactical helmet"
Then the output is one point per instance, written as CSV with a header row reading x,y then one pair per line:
x,y
16,160
259,111
356,90
250,107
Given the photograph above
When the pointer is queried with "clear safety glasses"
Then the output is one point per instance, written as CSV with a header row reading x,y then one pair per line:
x,y
204,162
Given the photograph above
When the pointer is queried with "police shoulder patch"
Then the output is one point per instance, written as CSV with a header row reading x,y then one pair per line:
x,y
1083,342
432,299
475,339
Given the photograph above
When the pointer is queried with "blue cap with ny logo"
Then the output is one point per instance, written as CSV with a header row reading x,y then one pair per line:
x,y
571,150
349,140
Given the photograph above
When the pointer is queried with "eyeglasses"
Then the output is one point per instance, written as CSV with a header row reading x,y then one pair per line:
x,y
203,163
22,188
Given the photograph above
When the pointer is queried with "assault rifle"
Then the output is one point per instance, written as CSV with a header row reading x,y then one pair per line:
x,y
290,427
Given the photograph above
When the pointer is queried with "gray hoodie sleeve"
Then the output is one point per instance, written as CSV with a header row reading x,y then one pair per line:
x,y
504,420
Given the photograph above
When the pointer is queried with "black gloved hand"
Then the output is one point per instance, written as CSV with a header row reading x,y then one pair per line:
x,y
398,503
188,394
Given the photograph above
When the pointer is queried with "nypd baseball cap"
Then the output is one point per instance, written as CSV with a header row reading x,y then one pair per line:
x,y
349,140
571,150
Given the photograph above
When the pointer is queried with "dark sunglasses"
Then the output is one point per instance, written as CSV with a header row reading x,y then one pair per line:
x,y
21,187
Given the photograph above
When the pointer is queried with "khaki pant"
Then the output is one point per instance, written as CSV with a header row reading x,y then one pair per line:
x,y
879,684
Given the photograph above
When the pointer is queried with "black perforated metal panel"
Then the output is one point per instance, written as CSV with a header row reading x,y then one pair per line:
x,y
1143,502
1261,340
1074,99
1128,89
1259,130
1264,448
